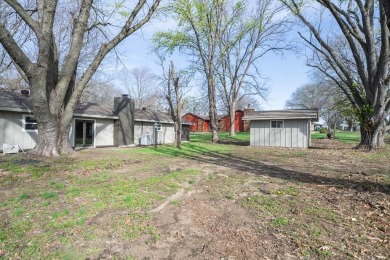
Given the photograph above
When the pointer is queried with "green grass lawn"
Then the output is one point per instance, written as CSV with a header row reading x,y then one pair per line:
x,y
73,207
342,136
224,137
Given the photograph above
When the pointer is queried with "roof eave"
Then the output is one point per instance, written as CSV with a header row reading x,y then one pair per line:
x,y
16,109
95,116
153,121
277,118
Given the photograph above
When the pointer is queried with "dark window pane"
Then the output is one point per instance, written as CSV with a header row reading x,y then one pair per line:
x,y
30,126
30,119
276,124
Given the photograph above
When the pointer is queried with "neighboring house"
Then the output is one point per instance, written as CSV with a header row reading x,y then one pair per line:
x,y
316,126
199,123
281,128
93,125
202,123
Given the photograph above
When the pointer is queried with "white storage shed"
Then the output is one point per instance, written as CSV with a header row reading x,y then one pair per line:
x,y
281,128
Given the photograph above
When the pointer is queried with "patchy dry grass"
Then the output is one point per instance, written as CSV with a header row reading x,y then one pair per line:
x,y
203,201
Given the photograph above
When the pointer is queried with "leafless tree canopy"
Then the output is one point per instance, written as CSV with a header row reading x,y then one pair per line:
x,y
351,46
67,41
101,92
248,34
141,85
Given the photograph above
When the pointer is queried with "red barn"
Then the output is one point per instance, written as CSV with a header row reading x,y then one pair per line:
x,y
224,122
202,123
199,123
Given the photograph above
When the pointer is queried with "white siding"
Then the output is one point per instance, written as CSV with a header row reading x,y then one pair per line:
x,y
294,134
165,136
11,131
104,132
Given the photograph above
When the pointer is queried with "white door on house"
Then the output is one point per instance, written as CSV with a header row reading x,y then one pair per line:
x,y
84,133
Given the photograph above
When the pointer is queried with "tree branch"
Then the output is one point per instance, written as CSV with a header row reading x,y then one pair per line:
x,y
105,48
24,15
14,51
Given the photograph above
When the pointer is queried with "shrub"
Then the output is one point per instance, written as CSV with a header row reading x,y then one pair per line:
x,y
323,130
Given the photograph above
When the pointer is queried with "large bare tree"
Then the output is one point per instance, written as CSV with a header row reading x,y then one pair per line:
x,y
176,102
322,95
198,35
311,95
249,34
53,66
101,92
360,65
386,7
141,85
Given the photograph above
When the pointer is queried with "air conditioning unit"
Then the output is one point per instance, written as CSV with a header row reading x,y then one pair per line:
x,y
145,139
10,148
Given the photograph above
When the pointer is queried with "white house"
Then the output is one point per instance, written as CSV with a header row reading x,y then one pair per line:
x,y
281,128
93,125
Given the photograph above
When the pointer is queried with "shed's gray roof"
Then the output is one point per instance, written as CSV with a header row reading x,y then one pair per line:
x,y
283,114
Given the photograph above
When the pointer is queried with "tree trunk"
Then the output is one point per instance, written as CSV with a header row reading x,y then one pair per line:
x,y
372,137
232,114
178,115
47,139
178,133
63,142
386,6
212,110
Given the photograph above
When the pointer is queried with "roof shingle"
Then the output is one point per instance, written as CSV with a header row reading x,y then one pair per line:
x,y
15,101
283,114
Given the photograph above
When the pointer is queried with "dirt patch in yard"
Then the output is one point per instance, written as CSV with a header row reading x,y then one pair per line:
x,y
328,202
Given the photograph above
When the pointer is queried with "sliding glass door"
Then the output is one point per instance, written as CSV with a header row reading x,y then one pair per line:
x,y
84,133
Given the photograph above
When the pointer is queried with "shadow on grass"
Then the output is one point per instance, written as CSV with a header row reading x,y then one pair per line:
x,y
234,142
205,155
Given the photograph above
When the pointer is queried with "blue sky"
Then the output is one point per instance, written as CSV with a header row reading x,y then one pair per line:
x,y
284,73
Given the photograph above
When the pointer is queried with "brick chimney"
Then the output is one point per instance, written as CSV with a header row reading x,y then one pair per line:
x,y
124,126
248,109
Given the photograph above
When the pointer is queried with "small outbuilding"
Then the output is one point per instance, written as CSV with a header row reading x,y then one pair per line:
x,y
281,128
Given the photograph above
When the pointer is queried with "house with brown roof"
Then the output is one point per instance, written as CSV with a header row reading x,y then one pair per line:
x,y
93,125
281,128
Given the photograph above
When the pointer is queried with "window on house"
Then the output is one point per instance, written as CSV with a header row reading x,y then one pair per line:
x,y
29,123
276,124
